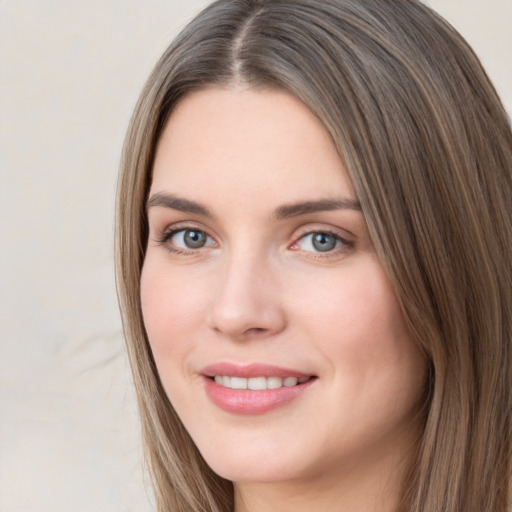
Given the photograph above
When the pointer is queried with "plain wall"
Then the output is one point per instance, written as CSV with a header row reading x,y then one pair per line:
x,y
71,71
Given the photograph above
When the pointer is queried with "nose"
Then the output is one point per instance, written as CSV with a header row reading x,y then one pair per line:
x,y
247,301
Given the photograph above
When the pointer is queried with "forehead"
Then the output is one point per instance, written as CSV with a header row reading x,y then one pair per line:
x,y
236,142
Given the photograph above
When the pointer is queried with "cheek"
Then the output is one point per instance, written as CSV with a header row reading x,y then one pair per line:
x,y
358,312
358,325
170,308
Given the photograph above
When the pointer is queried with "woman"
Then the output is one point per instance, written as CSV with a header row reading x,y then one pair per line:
x,y
314,263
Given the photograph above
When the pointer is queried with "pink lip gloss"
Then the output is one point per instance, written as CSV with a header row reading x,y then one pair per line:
x,y
253,401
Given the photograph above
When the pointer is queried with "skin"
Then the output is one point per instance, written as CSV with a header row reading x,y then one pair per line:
x,y
260,291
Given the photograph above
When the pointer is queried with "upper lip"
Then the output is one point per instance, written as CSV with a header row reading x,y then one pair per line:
x,y
251,370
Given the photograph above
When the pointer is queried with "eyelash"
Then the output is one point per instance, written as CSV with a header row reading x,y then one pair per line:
x,y
166,236
164,240
345,244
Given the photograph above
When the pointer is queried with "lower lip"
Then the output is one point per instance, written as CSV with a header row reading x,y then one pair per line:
x,y
245,401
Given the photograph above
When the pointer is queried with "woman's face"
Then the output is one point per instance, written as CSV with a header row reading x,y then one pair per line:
x,y
260,273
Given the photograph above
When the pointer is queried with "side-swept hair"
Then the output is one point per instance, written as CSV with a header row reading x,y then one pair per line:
x,y
428,145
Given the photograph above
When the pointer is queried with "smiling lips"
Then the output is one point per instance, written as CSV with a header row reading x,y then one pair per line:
x,y
253,389
258,383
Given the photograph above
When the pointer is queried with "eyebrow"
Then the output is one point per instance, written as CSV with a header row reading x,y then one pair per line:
x,y
322,205
177,203
283,212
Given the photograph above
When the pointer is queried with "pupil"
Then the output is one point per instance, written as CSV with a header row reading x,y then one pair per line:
x,y
195,239
323,242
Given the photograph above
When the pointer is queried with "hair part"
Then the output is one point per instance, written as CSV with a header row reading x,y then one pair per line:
x,y
427,143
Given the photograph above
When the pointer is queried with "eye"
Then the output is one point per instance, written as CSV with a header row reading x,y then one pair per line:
x,y
190,239
320,241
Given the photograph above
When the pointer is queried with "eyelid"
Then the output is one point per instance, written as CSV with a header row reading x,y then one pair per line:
x,y
169,228
181,233
346,242
165,235
317,227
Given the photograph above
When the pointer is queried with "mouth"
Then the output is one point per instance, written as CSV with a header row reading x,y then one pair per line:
x,y
255,388
258,383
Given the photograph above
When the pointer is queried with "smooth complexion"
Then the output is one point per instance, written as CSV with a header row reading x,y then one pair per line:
x,y
259,261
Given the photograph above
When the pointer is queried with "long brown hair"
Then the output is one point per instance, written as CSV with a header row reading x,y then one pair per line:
x,y
428,146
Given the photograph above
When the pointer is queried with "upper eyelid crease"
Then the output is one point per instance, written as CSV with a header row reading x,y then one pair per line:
x,y
338,237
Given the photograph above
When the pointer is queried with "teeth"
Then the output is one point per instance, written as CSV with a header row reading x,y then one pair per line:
x,y
274,382
290,381
238,383
258,383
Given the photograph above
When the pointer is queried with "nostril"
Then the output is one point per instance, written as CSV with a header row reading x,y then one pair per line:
x,y
255,330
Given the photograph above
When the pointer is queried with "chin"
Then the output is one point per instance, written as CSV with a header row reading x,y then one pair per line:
x,y
260,471
263,464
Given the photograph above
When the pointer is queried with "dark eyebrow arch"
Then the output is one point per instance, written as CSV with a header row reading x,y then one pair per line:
x,y
177,203
303,208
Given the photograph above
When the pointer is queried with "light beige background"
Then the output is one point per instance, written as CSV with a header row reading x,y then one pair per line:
x,y
70,72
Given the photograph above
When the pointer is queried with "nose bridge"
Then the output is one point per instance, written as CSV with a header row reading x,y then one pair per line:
x,y
246,299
